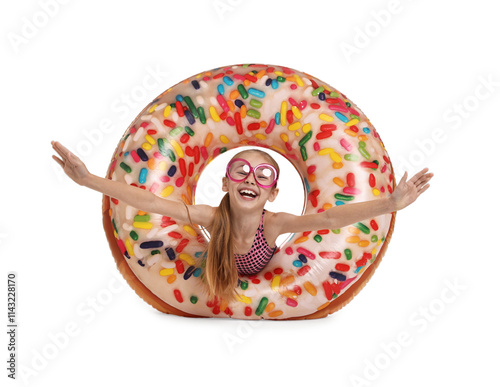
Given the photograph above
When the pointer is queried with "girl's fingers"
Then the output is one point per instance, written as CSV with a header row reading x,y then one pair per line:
x,y
423,178
59,161
420,181
423,189
61,149
418,175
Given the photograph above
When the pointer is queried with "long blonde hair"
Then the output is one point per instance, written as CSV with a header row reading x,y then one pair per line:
x,y
221,274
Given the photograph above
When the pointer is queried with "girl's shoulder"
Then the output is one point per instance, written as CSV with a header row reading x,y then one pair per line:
x,y
202,214
271,224
273,219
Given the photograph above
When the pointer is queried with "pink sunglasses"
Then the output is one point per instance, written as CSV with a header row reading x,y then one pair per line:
x,y
265,175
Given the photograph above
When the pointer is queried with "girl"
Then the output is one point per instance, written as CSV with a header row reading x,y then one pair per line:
x,y
243,233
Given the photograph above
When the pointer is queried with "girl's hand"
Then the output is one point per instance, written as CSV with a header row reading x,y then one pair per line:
x,y
71,164
406,192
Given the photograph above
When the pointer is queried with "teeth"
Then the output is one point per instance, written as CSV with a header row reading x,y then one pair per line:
x,y
248,192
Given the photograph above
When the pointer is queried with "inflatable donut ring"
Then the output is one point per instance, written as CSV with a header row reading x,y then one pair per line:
x,y
335,149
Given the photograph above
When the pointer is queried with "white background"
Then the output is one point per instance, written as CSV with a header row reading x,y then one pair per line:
x,y
416,68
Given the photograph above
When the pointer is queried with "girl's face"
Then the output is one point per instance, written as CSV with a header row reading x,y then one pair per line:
x,y
247,193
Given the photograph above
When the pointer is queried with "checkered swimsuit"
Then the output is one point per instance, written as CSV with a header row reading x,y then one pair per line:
x,y
259,255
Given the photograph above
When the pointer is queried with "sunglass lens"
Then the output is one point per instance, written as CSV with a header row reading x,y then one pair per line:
x,y
238,170
265,175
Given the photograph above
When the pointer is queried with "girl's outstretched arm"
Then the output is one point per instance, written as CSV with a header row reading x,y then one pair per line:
x,y
135,196
405,193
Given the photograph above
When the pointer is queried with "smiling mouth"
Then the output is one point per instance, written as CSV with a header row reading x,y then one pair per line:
x,y
247,194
